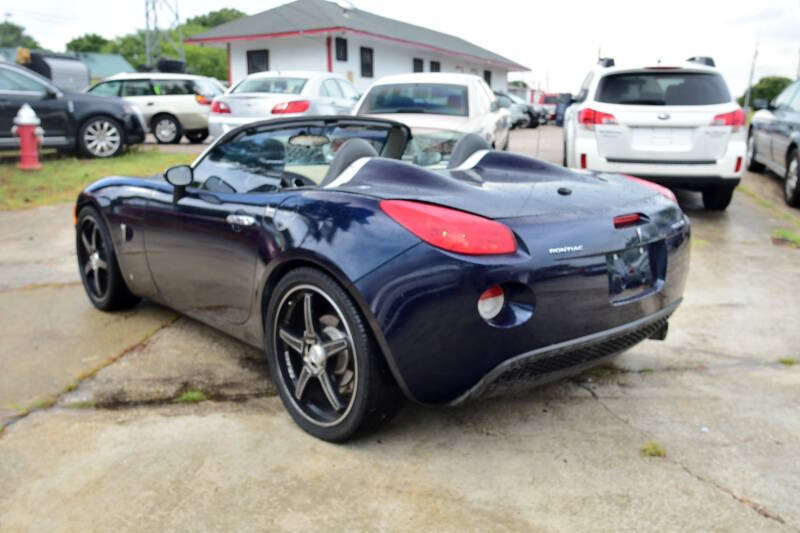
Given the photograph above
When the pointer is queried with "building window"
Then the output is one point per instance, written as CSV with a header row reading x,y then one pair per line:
x,y
257,61
436,66
419,65
487,76
341,49
366,62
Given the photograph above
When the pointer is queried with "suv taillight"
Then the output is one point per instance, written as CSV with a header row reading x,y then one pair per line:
x,y
734,118
450,229
588,118
220,107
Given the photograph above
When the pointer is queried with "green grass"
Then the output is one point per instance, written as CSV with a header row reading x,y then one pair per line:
x,y
786,236
787,361
652,449
81,405
63,177
191,396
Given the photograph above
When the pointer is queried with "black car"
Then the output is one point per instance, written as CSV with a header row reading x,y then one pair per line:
x,y
96,126
774,140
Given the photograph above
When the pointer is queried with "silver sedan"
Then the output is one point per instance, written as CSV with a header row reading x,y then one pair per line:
x,y
279,94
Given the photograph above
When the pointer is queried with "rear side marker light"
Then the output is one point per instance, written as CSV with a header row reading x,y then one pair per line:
x,y
296,106
623,221
734,119
663,191
450,229
220,107
583,160
588,118
202,100
491,302
738,164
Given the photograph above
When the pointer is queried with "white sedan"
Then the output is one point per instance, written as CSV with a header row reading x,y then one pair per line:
x,y
439,108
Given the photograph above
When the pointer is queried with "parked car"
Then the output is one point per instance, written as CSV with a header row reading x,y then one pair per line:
x,y
365,278
519,112
773,140
439,108
547,102
534,118
173,105
281,94
72,121
675,125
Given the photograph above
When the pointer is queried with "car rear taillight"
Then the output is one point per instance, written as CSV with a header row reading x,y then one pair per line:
x,y
583,160
738,164
202,100
589,117
663,191
296,106
491,302
734,118
451,230
220,107
623,221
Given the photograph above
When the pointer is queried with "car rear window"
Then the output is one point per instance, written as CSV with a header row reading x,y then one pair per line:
x,y
437,99
271,85
663,88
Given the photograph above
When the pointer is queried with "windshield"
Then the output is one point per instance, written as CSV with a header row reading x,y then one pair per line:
x,y
663,88
271,85
431,148
209,87
437,99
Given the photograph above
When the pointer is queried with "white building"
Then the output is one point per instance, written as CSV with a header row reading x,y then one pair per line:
x,y
325,36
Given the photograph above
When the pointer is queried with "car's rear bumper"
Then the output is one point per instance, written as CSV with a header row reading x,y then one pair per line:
x,y
134,128
219,125
550,363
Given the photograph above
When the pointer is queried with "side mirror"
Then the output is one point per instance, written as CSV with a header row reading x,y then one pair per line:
x,y
50,94
179,177
760,103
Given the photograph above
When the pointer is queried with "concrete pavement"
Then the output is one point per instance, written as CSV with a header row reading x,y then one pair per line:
x,y
713,395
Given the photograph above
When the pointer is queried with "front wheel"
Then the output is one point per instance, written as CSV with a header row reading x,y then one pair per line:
x,y
791,191
97,261
330,375
718,198
100,137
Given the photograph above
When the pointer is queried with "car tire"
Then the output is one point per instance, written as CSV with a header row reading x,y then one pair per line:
x,y
791,184
100,137
166,129
196,136
533,122
340,394
752,164
97,263
717,198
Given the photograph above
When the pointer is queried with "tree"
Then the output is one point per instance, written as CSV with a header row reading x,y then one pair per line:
x,y
767,88
215,18
518,84
90,42
12,35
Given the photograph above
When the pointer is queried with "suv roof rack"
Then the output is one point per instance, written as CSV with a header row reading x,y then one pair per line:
x,y
605,61
703,60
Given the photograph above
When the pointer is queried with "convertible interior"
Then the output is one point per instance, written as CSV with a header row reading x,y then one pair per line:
x,y
314,153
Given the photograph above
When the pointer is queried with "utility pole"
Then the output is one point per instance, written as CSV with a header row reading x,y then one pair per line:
x,y
154,35
750,82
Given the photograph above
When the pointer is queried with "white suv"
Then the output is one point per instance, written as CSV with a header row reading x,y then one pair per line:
x,y
675,125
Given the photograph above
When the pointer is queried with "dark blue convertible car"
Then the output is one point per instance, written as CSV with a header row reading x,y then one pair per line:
x,y
370,268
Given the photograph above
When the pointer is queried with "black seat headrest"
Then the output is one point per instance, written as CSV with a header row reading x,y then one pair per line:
x,y
348,153
465,147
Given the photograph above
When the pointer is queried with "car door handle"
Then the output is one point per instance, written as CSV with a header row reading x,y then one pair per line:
x,y
150,103
240,220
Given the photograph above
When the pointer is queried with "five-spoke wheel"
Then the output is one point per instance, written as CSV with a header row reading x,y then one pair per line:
x,y
329,375
92,255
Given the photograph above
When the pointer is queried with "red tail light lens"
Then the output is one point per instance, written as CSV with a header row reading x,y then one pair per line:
x,y
583,160
450,229
297,106
734,118
202,100
738,164
220,107
588,118
623,221
663,191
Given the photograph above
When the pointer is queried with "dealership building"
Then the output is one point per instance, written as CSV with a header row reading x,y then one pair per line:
x,y
328,36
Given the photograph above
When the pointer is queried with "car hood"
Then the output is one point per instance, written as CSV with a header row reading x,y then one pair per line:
x,y
429,121
501,185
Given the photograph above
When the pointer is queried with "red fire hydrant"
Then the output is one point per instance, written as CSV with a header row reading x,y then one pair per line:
x,y
26,127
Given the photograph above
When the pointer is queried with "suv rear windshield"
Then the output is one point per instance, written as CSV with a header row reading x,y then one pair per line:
x,y
271,85
438,99
663,88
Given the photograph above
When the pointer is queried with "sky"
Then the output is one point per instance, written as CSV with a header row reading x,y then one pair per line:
x,y
558,40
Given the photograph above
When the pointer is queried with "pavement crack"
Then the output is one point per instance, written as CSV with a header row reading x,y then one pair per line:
x,y
755,506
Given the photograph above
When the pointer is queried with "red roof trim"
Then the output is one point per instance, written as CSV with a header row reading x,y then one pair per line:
x,y
335,29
